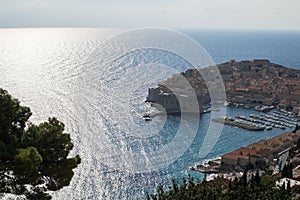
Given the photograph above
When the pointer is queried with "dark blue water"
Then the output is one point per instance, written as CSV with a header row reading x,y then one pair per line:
x,y
281,47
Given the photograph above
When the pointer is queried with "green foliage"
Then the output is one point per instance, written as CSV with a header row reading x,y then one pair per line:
x,y
13,118
287,171
49,139
7,152
27,161
221,189
257,178
34,155
244,179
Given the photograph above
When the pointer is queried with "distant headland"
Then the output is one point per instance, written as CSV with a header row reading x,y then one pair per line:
x,y
251,83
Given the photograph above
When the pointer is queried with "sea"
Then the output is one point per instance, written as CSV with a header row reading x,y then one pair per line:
x,y
96,80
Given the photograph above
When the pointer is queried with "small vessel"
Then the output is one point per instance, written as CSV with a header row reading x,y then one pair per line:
x,y
215,109
269,128
207,110
226,103
147,117
282,127
263,108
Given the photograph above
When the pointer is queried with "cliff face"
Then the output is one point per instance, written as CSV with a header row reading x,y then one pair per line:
x,y
254,82
176,93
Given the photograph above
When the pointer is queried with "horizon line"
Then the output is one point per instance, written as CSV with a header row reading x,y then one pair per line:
x,y
130,27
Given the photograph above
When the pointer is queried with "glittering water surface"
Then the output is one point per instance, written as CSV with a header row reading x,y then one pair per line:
x,y
58,72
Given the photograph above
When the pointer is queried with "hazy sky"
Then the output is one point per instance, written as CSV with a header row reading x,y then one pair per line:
x,y
220,14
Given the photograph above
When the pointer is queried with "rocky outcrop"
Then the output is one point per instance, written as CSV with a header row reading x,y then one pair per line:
x,y
251,82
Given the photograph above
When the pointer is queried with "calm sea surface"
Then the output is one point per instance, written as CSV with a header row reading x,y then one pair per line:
x,y
78,76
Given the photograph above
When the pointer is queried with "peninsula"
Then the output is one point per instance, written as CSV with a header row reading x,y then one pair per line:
x,y
251,83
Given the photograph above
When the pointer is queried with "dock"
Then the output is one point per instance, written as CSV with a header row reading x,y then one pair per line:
x,y
212,167
231,122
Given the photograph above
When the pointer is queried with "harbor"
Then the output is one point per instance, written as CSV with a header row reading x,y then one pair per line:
x,y
272,153
280,119
236,160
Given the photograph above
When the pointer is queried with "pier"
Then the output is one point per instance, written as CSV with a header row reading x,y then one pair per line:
x,y
232,122
275,119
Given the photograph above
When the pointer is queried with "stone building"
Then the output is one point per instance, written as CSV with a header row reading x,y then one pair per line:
x,y
242,157
251,82
270,149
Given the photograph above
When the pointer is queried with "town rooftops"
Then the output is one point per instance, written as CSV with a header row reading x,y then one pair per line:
x,y
234,156
242,89
243,152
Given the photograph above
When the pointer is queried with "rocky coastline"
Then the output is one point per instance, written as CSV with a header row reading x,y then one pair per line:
x,y
252,84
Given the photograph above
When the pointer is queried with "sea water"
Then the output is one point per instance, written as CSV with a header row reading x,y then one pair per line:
x,y
56,72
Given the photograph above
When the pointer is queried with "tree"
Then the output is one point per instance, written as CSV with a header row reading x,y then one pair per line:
x,y
27,161
221,188
244,178
33,158
191,181
257,178
175,186
287,171
13,118
230,185
288,186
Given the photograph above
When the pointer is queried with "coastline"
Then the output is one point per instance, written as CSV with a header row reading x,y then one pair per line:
x,y
216,167
247,83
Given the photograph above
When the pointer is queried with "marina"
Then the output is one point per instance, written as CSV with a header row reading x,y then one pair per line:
x,y
280,119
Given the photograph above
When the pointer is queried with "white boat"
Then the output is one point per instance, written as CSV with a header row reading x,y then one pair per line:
x,y
147,118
